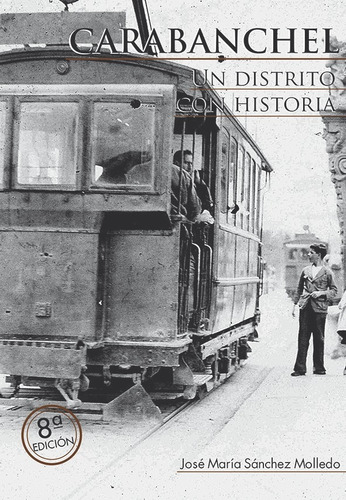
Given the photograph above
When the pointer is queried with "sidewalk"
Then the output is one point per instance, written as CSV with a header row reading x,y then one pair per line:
x,y
289,419
262,414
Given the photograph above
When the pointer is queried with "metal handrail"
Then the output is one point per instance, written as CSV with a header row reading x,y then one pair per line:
x,y
198,274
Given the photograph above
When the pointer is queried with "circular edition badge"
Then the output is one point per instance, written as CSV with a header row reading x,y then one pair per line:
x,y
51,434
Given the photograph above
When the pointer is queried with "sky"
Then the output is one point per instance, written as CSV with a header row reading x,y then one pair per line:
x,y
301,191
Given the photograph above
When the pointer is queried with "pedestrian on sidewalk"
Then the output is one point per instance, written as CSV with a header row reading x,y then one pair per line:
x,y
315,288
341,331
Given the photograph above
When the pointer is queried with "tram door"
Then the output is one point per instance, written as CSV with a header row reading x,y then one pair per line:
x,y
196,143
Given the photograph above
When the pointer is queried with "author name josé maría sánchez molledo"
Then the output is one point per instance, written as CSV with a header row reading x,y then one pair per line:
x,y
234,41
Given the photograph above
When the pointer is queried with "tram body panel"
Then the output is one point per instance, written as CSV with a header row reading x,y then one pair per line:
x,y
225,271
41,67
47,288
142,286
224,300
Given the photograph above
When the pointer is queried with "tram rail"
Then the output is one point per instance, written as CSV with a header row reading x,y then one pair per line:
x,y
29,398
24,399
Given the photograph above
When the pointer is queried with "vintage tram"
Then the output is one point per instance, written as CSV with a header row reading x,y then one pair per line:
x,y
96,272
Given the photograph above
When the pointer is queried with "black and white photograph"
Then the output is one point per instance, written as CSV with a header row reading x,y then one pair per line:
x,y
172,214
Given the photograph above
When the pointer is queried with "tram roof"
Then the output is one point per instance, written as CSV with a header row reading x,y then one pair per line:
x,y
184,73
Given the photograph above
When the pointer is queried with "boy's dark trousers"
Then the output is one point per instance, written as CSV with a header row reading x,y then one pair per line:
x,y
310,322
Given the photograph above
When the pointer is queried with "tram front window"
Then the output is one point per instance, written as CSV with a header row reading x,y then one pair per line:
x,y
47,144
123,138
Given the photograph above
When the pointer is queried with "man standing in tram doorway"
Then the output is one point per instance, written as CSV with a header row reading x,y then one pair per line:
x,y
316,287
202,189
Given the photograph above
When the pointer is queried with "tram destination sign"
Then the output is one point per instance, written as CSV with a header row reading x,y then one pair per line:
x,y
54,28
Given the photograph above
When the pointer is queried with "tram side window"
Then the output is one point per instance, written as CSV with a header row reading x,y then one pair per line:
x,y
224,171
240,186
257,200
232,181
2,141
123,144
252,196
47,145
245,202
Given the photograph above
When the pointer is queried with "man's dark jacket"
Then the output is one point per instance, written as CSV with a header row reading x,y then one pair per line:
x,y
323,281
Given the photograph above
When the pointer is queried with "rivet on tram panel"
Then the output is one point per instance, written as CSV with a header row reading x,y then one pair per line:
x,y
62,67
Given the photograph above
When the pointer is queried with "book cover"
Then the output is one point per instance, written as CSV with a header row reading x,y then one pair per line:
x,y
280,71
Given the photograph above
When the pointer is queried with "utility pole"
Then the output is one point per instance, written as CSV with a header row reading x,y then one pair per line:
x,y
142,22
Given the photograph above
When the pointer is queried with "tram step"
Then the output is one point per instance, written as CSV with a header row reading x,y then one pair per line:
x,y
201,378
161,396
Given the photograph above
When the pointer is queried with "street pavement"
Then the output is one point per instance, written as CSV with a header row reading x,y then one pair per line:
x,y
241,433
